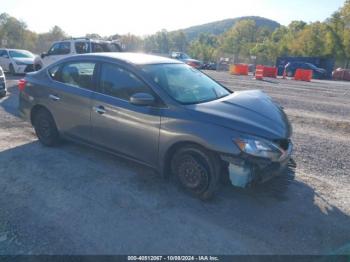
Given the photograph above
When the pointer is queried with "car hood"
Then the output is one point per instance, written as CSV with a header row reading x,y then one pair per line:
x,y
248,112
27,61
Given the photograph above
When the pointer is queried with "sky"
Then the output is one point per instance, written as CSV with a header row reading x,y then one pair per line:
x,y
108,17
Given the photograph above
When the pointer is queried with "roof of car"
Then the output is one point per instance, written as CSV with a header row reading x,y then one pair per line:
x,y
137,58
12,49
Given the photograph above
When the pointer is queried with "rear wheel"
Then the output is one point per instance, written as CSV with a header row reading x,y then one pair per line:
x,y
196,170
45,128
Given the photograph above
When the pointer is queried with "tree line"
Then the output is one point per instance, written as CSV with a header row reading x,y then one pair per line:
x,y
328,39
244,41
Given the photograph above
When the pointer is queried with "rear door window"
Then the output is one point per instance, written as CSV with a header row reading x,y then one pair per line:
x,y
82,47
78,74
55,73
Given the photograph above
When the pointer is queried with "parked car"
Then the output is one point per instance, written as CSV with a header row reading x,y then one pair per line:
x,y
162,113
209,66
317,73
187,59
341,74
73,46
2,83
16,61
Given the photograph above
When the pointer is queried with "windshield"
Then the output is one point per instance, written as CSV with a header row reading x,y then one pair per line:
x,y
184,83
21,54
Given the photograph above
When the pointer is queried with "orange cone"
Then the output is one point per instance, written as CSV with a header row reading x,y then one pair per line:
x,y
259,72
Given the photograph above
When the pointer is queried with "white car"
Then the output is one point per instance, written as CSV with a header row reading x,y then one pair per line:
x,y
2,83
16,61
73,46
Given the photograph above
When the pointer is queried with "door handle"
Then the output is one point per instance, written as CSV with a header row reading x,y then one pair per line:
x,y
54,98
100,110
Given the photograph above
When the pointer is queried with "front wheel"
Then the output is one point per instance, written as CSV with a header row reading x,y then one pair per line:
x,y
196,170
45,128
37,67
12,69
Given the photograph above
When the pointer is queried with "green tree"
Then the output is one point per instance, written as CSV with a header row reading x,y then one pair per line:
x,y
132,42
45,40
13,31
204,48
178,41
158,43
240,39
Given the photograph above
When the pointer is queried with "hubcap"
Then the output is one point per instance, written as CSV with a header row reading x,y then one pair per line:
x,y
44,128
192,173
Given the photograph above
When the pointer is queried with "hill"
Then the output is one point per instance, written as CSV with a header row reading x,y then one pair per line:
x,y
219,27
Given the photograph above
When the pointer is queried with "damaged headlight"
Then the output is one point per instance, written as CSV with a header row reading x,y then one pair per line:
x,y
260,148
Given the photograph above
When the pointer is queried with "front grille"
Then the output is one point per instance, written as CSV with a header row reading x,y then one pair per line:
x,y
283,143
29,68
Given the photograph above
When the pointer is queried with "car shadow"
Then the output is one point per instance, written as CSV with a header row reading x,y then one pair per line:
x,y
10,102
76,200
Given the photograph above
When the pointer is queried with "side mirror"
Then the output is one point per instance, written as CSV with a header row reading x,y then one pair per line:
x,y
142,99
43,55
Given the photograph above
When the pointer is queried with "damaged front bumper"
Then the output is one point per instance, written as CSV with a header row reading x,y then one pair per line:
x,y
245,170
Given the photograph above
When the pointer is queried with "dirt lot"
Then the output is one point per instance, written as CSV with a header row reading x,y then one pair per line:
x,y
75,200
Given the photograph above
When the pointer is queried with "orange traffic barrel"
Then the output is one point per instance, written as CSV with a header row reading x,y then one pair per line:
x,y
303,75
239,69
270,71
259,72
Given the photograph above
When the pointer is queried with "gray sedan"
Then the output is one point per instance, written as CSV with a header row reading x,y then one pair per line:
x,y
162,113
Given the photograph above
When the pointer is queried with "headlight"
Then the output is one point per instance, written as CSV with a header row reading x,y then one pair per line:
x,y
19,63
259,147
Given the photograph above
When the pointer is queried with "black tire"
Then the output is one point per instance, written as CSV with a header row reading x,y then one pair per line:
x,y
45,128
197,170
12,69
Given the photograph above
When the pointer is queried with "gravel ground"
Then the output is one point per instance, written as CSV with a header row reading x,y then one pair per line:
x,y
75,200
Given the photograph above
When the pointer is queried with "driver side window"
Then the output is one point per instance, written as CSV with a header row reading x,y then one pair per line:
x,y
54,49
62,48
120,83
